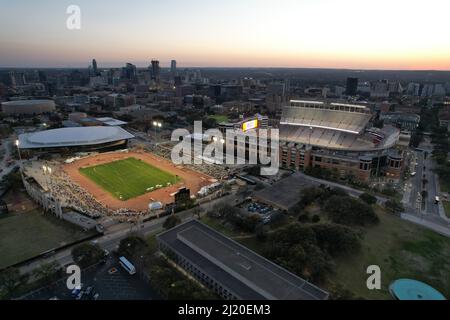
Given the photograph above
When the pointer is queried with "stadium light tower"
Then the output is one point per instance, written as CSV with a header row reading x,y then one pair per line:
x,y
47,172
156,125
17,143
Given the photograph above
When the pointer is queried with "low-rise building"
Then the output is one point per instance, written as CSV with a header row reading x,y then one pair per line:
x,y
231,270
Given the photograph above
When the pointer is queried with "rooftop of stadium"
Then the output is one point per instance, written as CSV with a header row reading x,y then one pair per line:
x,y
71,137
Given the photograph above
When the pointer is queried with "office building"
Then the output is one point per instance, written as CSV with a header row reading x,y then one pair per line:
x,y
173,68
352,86
155,71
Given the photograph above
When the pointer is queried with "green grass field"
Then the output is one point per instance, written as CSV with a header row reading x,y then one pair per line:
x,y
128,178
446,205
402,250
219,118
25,235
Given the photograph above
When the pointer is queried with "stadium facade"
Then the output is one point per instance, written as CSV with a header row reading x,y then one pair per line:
x,y
75,139
338,137
334,136
28,107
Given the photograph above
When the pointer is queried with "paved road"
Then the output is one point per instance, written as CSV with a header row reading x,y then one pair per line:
x,y
415,200
351,191
424,170
427,223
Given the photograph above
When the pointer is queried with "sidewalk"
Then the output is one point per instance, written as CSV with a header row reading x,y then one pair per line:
x,y
427,224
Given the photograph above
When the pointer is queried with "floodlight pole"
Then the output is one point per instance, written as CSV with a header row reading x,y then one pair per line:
x,y
17,143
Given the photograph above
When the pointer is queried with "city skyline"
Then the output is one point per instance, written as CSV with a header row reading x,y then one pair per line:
x,y
405,35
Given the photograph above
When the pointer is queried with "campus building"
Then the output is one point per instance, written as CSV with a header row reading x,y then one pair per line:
x,y
28,107
229,269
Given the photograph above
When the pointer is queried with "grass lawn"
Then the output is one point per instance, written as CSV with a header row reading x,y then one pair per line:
x,y
25,235
128,178
219,118
444,185
402,250
446,205
217,224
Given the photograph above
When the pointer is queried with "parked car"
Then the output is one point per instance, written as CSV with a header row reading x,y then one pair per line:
x,y
80,295
88,290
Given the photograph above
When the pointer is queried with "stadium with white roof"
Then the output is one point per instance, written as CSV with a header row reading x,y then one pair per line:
x,y
76,139
339,137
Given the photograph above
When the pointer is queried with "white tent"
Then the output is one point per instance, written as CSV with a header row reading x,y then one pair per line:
x,y
155,206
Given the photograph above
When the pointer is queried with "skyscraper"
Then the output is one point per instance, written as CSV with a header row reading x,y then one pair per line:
x,y
129,72
94,67
155,70
173,68
352,86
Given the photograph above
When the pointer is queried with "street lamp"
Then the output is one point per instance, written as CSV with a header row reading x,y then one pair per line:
x,y
157,124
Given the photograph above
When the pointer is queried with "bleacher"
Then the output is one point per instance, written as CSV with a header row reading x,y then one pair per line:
x,y
334,126
352,122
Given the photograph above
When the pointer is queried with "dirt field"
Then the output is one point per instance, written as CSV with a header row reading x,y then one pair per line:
x,y
190,179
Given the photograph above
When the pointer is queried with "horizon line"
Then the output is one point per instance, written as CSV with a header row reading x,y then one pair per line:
x,y
234,67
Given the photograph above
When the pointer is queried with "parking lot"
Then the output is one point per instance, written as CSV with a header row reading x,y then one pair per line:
x,y
106,285
256,207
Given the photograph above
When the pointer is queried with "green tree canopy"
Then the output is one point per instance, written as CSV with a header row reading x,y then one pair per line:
x,y
87,254
350,211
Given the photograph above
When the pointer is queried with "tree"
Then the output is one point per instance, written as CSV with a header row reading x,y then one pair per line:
x,y
350,211
13,180
309,195
132,247
222,209
338,292
10,279
389,191
197,211
295,247
336,239
261,232
303,218
48,272
86,254
394,206
368,198
171,222
186,289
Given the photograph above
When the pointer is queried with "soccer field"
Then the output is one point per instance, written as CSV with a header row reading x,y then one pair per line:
x,y
128,178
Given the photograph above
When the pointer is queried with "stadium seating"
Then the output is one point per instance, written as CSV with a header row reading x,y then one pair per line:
x,y
323,118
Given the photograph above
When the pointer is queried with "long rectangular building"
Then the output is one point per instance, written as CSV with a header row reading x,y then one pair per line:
x,y
231,270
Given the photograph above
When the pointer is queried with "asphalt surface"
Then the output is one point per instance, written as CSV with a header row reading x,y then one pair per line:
x,y
117,285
